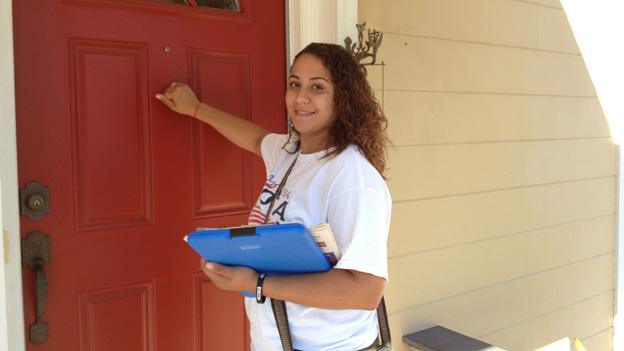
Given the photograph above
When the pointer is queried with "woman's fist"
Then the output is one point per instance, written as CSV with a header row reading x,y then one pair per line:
x,y
180,98
230,278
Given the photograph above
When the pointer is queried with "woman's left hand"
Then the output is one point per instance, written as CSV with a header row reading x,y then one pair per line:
x,y
230,278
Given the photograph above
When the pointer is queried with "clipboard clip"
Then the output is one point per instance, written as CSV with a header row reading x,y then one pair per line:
x,y
242,232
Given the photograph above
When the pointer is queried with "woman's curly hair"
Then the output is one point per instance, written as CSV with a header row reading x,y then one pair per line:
x,y
360,120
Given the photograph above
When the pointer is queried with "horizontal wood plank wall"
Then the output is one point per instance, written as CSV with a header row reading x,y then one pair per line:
x,y
503,173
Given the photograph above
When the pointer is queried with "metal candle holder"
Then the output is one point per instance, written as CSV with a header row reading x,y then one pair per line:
x,y
365,52
362,49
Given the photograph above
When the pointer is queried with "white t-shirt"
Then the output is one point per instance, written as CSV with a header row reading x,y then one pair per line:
x,y
348,193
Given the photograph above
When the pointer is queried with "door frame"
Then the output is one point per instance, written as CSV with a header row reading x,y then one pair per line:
x,y
306,21
618,318
11,307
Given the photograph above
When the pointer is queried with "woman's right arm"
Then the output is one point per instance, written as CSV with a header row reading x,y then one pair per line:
x,y
247,135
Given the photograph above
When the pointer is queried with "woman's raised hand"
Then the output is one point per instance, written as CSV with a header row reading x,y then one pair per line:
x,y
180,98
243,133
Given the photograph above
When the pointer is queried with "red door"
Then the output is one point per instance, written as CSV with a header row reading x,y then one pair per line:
x,y
127,178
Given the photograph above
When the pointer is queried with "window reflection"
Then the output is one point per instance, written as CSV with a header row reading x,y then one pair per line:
x,y
230,5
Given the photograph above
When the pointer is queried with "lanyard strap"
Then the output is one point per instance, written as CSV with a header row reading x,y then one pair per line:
x,y
278,192
279,306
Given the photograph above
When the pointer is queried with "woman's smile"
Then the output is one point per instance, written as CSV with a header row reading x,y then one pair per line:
x,y
304,113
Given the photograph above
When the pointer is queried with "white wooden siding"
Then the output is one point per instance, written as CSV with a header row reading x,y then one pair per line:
x,y
503,173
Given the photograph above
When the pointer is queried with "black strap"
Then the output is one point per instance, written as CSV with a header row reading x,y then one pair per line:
x,y
279,306
281,320
384,326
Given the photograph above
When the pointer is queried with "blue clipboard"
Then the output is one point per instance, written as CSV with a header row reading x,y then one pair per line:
x,y
274,248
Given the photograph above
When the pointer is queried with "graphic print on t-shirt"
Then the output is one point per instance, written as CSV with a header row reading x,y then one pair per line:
x,y
257,214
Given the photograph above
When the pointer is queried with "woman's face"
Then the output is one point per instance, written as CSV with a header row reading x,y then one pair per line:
x,y
310,97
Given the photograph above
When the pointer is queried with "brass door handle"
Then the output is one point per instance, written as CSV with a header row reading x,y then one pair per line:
x,y
35,255
42,287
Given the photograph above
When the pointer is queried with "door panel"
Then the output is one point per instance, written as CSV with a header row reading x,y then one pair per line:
x,y
232,94
121,318
113,185
128,178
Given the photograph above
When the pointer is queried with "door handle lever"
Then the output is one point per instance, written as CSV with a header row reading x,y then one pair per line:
x,y
35,255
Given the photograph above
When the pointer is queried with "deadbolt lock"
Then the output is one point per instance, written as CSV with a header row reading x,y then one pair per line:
x,y
35,201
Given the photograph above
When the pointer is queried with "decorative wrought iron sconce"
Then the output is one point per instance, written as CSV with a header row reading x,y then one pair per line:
x,y
361,51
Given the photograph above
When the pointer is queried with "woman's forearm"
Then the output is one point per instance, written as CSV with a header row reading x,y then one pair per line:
x,y
241,132
335,289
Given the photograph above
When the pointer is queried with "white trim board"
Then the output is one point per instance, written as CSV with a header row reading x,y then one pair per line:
x,y
618,317
327,21
11,309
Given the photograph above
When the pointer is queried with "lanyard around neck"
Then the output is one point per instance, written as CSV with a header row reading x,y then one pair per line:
x,y
279,189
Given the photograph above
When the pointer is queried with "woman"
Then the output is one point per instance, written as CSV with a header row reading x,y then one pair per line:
x,y
336,150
